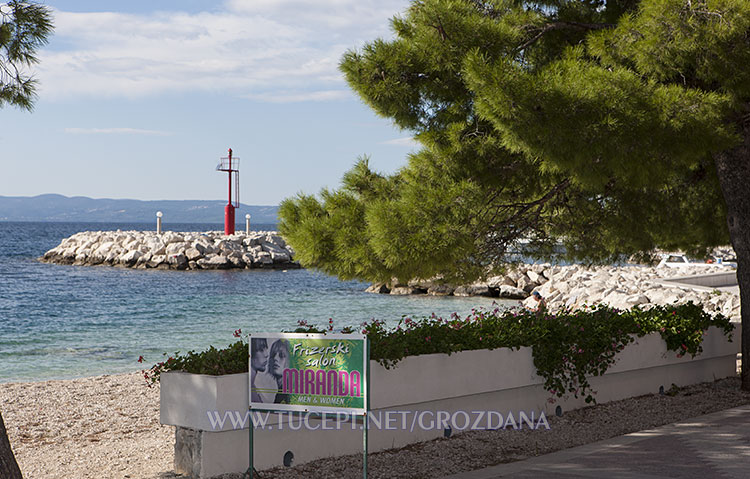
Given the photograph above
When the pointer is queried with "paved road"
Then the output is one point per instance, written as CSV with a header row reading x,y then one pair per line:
x,y
716,445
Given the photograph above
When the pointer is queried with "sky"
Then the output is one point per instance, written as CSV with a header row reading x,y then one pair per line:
x,y
140,99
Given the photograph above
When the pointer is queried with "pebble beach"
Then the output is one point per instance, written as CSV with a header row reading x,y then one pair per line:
x,y
97,427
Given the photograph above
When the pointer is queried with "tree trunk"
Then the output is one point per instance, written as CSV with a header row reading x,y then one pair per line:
x,y
733,168
8,465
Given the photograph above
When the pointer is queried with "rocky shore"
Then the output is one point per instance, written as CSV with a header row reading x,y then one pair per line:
x,y
172,250
562,286
575,286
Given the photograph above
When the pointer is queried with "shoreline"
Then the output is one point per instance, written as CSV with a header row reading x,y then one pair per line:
x,y
578,286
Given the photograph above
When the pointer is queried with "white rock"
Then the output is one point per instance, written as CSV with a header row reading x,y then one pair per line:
x,y
157,247
156,260
477,289
175,248
279,257
192,254
637,299
276,240
263,257
511,292
178,260
252,240
402,290
497,281
130,257
272,248
236,260
214,262
172,237
440,290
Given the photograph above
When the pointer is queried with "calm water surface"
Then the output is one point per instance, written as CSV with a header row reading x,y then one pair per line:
x,y
61,321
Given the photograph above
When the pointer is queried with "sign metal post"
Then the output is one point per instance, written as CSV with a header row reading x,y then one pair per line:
x,y
309,373
367,408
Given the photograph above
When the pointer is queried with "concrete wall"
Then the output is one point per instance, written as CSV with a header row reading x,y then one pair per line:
x,y
500,380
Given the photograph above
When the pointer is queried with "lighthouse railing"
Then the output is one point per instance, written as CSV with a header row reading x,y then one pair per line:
x,y
224,164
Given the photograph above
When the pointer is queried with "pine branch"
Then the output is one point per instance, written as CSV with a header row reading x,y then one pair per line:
x,y
554,26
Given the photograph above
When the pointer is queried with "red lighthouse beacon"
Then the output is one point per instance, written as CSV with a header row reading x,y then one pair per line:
x,y
231,166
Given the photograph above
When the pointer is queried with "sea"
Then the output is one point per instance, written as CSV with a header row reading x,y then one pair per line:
x,y
64,321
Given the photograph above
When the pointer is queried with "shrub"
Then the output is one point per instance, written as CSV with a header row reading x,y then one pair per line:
x,y
567,347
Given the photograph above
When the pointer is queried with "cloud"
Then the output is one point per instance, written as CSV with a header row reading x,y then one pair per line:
x,y
410,142
250,48
115,131
300,96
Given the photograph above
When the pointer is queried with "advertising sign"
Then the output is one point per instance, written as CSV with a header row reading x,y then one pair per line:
x,y
308,372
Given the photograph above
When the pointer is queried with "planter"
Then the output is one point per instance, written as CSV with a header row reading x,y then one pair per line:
x,y
430,387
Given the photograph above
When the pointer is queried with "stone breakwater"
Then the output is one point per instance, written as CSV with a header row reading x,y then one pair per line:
x,y
574,286
172,250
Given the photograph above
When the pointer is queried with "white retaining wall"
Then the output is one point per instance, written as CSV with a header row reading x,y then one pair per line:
x,y
501,380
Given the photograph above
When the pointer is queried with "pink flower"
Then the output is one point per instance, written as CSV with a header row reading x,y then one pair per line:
x,y
237,333
140,359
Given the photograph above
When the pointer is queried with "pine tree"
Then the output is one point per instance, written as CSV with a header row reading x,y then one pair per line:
x,y
24,27
612,127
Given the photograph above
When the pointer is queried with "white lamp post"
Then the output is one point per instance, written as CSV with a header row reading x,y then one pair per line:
x,y
247,224
158,222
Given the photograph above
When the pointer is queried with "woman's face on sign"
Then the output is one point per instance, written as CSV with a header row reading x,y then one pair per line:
x,y
279,361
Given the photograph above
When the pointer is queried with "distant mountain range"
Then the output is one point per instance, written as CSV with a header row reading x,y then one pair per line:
x,y
80,208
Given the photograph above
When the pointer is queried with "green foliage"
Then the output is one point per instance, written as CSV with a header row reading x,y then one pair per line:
x,y
24,28
593,124
666,126
213,361
567,348
701,44
333,230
